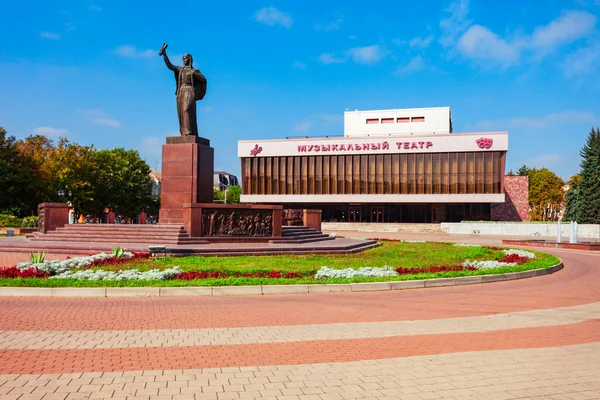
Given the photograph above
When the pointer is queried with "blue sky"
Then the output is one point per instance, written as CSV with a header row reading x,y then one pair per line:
x,y
90,71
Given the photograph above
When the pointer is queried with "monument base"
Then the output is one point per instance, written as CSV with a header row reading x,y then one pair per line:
x,y
187,176
232,220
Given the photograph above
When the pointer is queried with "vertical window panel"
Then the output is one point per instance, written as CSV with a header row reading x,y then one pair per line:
x,y
268,174
275,177
341,174
355,174
411,174
379,173
333,171
325,186
282,175
488,166
445,172
428,173
296,173
395,173
303,174
364,172
349,175
479,172
404,179
255,187
247,175
261,175
462,173
371,175
497,171
311,175
453,161
436,177
318,175
470,158
387,174
420,173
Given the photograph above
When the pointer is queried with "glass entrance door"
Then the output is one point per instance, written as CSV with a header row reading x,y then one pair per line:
x,y
376,213
354,214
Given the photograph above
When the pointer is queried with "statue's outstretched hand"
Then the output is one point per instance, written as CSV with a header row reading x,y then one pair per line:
x,y
163,50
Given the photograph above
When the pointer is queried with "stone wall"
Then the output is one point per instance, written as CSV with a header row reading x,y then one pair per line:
x,y
543,229
516,206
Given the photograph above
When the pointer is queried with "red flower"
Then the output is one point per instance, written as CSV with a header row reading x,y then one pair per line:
x,y
429,270
14,272
514,258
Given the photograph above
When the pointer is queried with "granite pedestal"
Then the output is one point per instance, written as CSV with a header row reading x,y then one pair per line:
x,y
187,176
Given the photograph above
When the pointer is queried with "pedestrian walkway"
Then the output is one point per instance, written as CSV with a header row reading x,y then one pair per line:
x,y
536,338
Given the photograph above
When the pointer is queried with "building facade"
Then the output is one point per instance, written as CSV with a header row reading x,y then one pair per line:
x,y
390,166
222,180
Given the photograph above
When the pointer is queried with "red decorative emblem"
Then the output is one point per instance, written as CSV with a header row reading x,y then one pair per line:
x,y
484,143
257,149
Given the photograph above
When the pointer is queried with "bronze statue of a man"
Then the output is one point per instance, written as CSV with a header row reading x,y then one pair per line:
x,y
191,86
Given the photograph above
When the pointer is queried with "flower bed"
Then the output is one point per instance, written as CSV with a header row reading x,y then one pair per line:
x,y
417,260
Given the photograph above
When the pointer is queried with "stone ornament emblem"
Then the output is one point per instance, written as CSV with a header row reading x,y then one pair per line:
x,y
257,149
484,143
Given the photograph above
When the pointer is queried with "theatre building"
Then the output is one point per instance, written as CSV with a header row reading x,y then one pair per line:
x,y
403,165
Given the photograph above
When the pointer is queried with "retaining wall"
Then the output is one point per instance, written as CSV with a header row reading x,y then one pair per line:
x,y
520,229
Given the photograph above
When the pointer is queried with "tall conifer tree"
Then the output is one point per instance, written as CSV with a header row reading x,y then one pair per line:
x,y
589,187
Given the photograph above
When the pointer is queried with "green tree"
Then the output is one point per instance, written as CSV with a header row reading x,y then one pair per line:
x,y
74,170
573,208
589,187
218,196
17,192
122,182
523,171
233,194
546,196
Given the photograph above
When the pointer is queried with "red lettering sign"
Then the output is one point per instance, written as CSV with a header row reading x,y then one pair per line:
x,y
384,145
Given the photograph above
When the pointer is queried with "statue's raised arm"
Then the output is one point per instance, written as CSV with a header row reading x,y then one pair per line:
x,y
163,52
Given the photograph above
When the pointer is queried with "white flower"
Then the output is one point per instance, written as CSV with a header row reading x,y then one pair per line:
x,y
486,264
124,275
326,272
55,267
520,253
413,241
466,245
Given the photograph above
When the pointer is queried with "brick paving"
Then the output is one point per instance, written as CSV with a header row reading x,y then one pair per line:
x,y
535,338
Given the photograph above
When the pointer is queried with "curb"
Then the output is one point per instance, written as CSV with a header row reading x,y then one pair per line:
x,y
270,289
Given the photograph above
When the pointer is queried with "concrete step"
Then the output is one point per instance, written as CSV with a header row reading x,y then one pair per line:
x,y
319,238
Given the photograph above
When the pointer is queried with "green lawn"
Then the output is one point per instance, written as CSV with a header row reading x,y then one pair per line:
x,y
393,254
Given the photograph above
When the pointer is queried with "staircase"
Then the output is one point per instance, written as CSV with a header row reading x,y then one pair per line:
x,y
118,234
300,234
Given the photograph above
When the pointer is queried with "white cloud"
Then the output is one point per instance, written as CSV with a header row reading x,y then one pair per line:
x,y
299,65
303,127
332,26
581,62
50,35
132,52
478,42
564,117
421,42
48,131
366,55
456,23
329,58
94,7
567,28
272,16
415,64
99,117
206,109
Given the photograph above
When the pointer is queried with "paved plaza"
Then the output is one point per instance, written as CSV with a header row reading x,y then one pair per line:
x,y
536,338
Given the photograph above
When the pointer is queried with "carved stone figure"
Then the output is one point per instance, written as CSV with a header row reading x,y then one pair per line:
x,y
219,222
191,86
